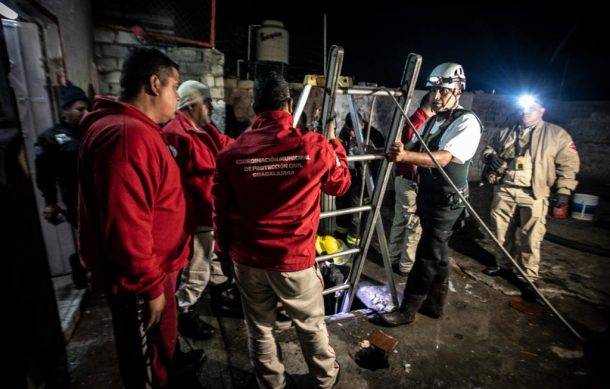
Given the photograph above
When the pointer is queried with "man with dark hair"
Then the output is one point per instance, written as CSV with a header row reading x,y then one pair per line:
x,y
134,231
406,230
56,163
272,244
195,142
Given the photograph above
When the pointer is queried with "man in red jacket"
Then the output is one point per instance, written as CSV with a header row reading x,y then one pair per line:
x,y
267,210
195,142
132,213
406,229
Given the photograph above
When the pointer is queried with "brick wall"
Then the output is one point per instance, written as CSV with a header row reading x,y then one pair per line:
x,y
201,64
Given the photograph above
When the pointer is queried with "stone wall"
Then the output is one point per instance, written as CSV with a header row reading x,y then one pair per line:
x,y
201,64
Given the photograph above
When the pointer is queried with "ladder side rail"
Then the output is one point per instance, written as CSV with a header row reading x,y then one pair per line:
x,y
335,62
369,185
409,77
298,111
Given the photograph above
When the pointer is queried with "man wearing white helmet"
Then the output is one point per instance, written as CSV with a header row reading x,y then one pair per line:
x,y
195,142
453,137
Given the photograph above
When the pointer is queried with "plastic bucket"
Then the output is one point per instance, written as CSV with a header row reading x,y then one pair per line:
x,y
583,206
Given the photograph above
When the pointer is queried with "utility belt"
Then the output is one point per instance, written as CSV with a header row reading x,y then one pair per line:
x,y
443,199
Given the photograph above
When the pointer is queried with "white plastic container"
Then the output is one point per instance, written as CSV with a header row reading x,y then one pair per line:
x,y
583,206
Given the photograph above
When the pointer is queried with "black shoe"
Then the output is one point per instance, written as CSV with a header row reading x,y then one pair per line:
x,y
406,313
399,270
192,326
187,362
495,271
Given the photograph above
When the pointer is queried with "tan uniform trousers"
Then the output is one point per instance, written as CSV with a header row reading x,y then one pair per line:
x,y
201,270
301,295
520,225
406,229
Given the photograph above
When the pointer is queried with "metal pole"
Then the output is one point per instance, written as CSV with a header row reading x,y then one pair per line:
x,y
238,69
250,48
324,47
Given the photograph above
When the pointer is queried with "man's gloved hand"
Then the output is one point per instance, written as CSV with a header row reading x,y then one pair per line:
x,y
494,162
561,200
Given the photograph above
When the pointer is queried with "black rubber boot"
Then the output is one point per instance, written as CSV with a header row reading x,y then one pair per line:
x,y
406,313
435,303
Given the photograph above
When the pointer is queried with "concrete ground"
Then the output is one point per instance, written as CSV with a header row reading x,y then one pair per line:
x,y
480,342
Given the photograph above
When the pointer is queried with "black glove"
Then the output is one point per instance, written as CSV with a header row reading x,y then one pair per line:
x,y
561,200
494,162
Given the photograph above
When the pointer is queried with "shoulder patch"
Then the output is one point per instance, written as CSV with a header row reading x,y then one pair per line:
x,y
572,147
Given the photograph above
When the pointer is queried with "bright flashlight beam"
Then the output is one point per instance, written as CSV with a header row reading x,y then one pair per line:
x,y
527,101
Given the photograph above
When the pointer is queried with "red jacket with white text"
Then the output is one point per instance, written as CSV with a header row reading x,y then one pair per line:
x,y
267,193
132,209
195,152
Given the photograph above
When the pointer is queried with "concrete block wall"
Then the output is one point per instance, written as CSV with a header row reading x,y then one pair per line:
x,y
201,64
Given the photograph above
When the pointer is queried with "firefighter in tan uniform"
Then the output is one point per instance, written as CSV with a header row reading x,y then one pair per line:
x,y
535,155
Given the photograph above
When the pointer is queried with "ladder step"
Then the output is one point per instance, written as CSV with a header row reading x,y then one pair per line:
x,y
324,257
367,91
345,211
365,157
336,289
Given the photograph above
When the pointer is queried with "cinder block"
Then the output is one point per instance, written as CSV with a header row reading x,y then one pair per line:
x,y
114,51
245,84
105,65
112,77
126,38
103,35
230,83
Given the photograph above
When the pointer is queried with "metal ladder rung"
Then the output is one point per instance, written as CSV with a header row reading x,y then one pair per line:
x,y
346,211
324,257
365,157
366,91
336,289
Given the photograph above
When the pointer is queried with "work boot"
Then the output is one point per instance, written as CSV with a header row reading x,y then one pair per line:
x,y
495,271
192,326
406,313
402,269
186,365
434,304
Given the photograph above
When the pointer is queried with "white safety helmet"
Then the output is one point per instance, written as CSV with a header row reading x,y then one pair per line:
x,y
447,75
192,91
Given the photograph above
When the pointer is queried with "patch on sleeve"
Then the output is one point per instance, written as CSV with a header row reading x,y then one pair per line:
x,y
572,147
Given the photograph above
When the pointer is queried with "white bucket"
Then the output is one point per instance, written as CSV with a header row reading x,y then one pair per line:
x,y
583,206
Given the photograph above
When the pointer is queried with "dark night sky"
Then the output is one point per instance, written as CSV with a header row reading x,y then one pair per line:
x,y
557,53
